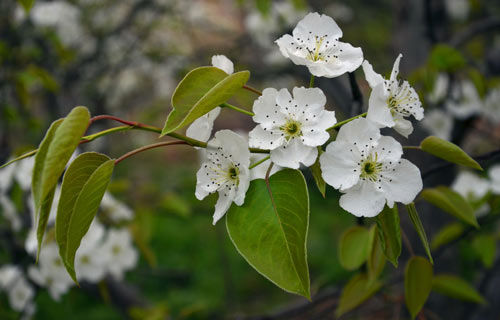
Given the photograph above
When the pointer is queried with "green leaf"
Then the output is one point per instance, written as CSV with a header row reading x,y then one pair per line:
x,y
355,292
457,288
354,247
451,202
485,246
270,230
82,190
376,258
448,151
415,219
316,173
26,4
21,157
55,150
418,284
389,232
447,234
199,92
446,58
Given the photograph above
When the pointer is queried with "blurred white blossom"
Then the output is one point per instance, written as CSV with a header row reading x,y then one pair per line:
x,y
438,123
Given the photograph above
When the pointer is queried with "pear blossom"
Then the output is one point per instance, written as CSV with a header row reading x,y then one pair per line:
x,y
8,274
119,253
291,127
90,266
225,171
9,211
115,210
473,188
223,63
6,178
438,123
465,101
440,88
494,174
20,294
24,172
367,168
315,44
391,100
491,109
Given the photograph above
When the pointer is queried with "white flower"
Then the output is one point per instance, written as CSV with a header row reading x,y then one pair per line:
x,y
465,101
494,174
438,123
6,178
20,294
201,128
89,264
119,253
491,109
391,101
225,171
457,9
440,88
473,188
24,172
367,168
9,212
223,63
291,127
8,275
315,44
115,209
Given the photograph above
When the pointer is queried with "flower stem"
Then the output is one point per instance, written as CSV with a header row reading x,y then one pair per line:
x,y
235,108
259,162
412,147
341,123
148,147
252,90
311,82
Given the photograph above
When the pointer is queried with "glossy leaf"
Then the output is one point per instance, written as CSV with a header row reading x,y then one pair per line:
x,y
55,150
389,231
448,151
451,202
417,224
83,186
418,284
270,230
200,91
457,288
316,173
376,258
355,292
354,247
447,234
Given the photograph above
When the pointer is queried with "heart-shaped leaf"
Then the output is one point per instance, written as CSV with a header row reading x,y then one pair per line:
x,y
270,230
201,90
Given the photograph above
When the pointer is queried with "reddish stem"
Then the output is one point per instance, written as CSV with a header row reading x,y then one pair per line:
x,y
151,146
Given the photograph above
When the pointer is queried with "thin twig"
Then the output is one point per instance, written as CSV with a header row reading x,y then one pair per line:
x,y
148,147
252,90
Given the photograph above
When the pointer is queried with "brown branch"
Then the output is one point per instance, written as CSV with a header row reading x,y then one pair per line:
x,y
474,30
151,146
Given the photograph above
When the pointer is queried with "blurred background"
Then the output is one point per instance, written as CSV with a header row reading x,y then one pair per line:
x,y
125,58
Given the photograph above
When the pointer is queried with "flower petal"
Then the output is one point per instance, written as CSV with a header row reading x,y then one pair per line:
x,y
395,70
243,184
388,150
401,183
291,155
378,111
339,165
266,110
201,128
319,25
358,132
223,63
311,98
265,139
233,145
363,200
403,126
285,43
371,76
223,203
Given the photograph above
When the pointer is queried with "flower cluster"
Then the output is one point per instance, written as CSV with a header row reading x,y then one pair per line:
x,y
103,251
364,165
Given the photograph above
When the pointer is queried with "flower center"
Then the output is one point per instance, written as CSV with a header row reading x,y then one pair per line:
x,y
233,173
116,250
370,168
292,129
315,55
401,100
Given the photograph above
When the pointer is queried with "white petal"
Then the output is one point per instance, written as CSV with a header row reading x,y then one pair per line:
x,y
395,69
204,184
319,25
402,183
223,203
265,139
358,132
350,57
494,175
232,144
339,165
266,110
324,120
388,150
311,98
471,186
363,200
291,155
243,184
315,134
201,128
285,43
373,78
223,63
285,101
403,126
378,110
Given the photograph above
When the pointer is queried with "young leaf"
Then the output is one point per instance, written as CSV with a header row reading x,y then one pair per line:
x,y
446,58
76,176
84,186
485,246
448,151
26,4
270,230
418,284
376,258
447,234
415,219
457,288
316,173
200,91
55,150
389,232
355,292
21,157
354,246
451,202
